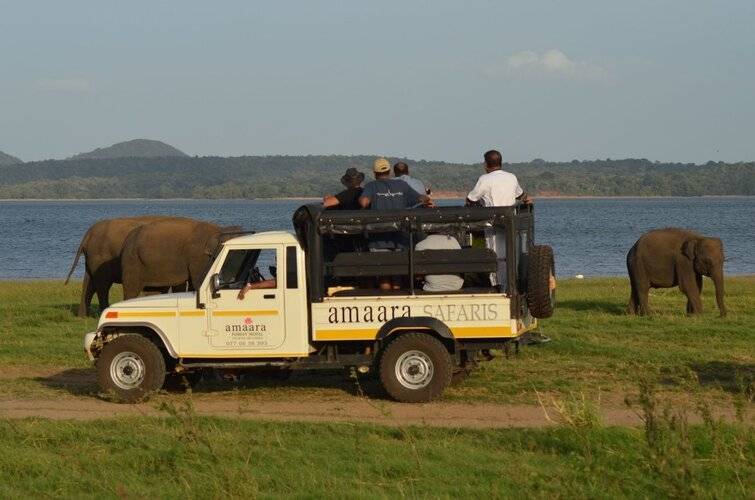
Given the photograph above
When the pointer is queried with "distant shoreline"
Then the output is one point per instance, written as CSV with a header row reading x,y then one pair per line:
x,y
305,198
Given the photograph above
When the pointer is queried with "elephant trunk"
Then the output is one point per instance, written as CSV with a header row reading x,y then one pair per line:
x,y
718,281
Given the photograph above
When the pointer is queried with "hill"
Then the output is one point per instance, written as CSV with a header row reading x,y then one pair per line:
x,y
304,176
6,159
137,148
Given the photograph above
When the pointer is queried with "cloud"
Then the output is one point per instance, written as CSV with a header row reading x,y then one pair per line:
x,y
64,85
551,64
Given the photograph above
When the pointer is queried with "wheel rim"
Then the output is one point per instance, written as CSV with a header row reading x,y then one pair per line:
x,y
127,370
414,370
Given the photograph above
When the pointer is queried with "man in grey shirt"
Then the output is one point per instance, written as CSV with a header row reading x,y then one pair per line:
x,y
440,282
401,172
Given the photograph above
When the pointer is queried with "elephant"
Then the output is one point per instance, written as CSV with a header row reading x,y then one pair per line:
x,y
664,258
101,246
165,252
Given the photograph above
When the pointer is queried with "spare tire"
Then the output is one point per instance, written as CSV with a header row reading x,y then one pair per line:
x,y
541,298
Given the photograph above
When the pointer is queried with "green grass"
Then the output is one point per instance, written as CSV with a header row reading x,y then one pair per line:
x,y
595,347
183,456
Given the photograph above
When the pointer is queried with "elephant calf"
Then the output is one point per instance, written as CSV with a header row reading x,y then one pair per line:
x,y
665,258
101,247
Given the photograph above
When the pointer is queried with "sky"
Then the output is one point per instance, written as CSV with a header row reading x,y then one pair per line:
x,y
665,80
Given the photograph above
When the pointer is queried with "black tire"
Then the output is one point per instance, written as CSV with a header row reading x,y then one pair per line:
x,y
415,367
541,300
130,368
181,382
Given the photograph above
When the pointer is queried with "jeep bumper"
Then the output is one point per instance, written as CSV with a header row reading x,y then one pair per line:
x,y
88,341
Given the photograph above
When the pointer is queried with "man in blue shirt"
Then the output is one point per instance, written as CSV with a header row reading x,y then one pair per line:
x,y
385,193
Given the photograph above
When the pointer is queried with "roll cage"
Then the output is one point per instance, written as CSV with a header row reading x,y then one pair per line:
x,y
335,245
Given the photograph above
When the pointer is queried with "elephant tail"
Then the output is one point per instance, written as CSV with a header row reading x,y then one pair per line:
x,y
78,254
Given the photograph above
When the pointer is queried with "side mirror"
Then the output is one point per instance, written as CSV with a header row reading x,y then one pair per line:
x,y
215,285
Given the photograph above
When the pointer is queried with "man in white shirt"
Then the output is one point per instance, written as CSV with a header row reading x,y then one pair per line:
x,y
497,188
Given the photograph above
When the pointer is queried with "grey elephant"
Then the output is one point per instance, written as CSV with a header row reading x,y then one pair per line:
x,y
166,252
670,257
101,246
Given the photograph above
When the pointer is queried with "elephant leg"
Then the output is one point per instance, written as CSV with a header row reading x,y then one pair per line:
x,y
638,302
632,309
643,289
132,286
87,292
103,294
692,289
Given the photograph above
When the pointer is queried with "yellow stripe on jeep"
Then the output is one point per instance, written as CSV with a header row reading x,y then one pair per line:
x,y
146,314
461,332
198,312
261,312
481,332
347,334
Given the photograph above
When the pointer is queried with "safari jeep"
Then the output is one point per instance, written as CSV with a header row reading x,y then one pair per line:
x,y
324,310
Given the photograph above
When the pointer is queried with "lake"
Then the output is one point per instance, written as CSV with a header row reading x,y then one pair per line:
x,y
38,239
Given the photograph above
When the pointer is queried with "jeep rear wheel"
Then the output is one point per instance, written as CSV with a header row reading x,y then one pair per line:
x,y
130,367
541,281
415,367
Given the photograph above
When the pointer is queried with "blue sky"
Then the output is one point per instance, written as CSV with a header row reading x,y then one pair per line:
x,y
664,80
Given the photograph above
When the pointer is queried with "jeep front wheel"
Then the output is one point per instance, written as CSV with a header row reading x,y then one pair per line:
x,y
130,367
415,367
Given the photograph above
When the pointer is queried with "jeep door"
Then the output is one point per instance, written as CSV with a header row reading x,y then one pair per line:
x,y
256,323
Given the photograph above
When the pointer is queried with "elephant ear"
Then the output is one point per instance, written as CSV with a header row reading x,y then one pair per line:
x,y
211,244
689,248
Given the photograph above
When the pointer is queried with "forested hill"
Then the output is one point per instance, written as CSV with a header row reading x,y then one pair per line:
x,y
292,176
6,159
136,148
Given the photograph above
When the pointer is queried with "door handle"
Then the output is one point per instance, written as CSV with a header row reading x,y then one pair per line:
x,y
268,296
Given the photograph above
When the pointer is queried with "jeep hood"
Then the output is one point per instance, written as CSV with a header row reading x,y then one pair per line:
x,y
166,300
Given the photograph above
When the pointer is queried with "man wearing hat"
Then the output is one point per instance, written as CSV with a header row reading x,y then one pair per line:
x,y
348,199
385,193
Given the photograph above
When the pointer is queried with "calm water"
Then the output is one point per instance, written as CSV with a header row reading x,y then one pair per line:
x,y
38,239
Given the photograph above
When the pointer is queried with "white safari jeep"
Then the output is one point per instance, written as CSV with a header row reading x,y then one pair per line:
x,y
324,309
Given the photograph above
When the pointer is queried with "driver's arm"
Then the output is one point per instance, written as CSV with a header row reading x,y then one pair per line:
x,y
273,283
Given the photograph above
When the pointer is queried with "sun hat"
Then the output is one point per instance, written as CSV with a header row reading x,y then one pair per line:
x,y
351,177
381,166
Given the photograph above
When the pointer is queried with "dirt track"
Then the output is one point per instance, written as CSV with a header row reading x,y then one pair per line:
x,y
81,403
353,409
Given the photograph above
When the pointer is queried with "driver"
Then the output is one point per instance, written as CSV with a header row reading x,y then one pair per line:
x,y
256,281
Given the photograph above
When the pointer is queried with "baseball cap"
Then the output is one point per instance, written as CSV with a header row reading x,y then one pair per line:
x,y
381,166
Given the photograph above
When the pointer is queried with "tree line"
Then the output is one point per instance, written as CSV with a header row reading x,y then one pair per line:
x,y
307,176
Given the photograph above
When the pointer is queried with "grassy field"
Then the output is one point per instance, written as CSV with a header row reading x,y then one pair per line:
x,y
674,369
596,347
182,456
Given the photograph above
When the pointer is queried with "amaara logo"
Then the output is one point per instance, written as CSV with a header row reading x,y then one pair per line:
x,y
443,312
248,325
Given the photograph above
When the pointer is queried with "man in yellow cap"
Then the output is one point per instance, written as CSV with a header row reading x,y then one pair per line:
x,y
386,193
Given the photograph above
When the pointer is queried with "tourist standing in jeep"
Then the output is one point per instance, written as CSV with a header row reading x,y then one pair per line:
x,y
385,193
497,188
348,199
